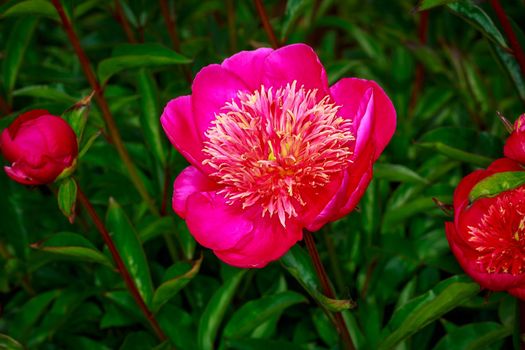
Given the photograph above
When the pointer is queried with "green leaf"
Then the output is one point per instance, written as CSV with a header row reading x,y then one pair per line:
x,y
130,249
149,116
474,336
45,92
428,4
479,19
29,8
255,312
415,315
72,246
294,9
8,343
138,341
215,310
67,198
77,116
397,173
261,344
298,263
169,288
497,183
17,43
130,56
512,68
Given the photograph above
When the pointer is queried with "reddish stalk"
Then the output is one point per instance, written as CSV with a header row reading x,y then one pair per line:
x,y
266,24
122,270
420,69
513,39
339,323
5,109
121,17
106,113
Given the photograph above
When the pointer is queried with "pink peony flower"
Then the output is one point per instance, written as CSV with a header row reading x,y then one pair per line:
x,y
273,150
40,147
515,144
488,236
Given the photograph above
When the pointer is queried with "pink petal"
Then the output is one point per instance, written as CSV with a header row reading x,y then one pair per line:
x,y
268,241
179,125
212,88
248,66
189,181
368,106
214,223
295,62
19,176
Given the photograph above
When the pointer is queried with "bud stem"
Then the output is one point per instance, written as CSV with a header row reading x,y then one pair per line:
x,y
122,270
266,24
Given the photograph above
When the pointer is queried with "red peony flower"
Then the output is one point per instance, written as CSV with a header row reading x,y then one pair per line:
x,y
40,147
488,236
515,144
273,150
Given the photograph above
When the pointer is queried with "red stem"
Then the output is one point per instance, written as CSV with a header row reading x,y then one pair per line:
x,y
5,109
106,113
123,271
121,17
340,323
266,24
513,39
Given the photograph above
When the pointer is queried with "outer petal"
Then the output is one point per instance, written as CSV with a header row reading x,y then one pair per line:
x,y
518,292
295,62
248,66
267,242
214,223
178,124
189,181
212,88
370,109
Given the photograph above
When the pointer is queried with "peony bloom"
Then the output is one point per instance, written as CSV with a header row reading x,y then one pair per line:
x,y
515,144
488,236
40,147
273,150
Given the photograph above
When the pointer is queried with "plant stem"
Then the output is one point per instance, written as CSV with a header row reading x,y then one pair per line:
x,y
106,113
339,323
121,17
513,39
5,109
122,270
266,23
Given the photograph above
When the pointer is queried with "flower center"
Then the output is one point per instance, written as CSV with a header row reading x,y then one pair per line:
x,y
274,147
499,237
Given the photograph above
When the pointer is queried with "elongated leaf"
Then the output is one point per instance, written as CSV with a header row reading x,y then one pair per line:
x,y
497,183
396,172
135,56
428,4
8,343
214,312
72,246
16,47
130,248
149,116
261,344
512,68
294,9
46,92
67,198
28,8
474,336
255,312
415,315
479,19
173,285
297,262
77,116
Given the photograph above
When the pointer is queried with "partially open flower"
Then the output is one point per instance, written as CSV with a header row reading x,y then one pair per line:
x,y
273,150
39,146
488,236
515,144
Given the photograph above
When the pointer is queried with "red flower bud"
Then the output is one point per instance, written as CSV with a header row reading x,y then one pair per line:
x,y
488,235
39,146
515,145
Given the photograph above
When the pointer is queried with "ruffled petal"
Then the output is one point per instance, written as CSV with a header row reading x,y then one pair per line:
x,y
248,66
214,223
178,124
212,87
297,62
267,242
189,181
367,105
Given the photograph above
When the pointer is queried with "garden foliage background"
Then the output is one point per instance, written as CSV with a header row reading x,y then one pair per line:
x,y
447,79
